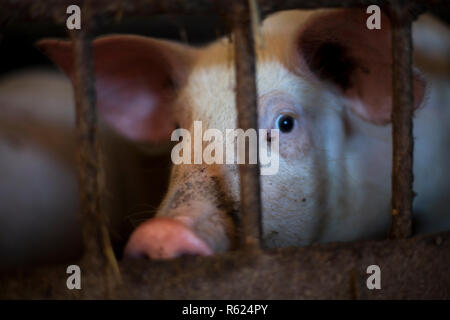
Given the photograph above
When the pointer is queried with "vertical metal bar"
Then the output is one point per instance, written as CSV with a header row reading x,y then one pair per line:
x,y
402,126
97,246
246,104
87,142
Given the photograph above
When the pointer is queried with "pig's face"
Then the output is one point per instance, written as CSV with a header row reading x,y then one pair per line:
x,y
316,73
283,96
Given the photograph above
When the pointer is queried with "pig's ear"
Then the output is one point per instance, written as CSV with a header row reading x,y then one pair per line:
x,y
136,81
337,47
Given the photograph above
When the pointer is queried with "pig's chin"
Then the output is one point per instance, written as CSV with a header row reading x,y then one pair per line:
x,y
165,238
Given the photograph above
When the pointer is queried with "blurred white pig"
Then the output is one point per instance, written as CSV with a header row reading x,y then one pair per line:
x,y
324,80
39,220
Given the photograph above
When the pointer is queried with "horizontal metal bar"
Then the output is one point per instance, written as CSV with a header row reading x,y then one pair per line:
x,y
55,10
415,268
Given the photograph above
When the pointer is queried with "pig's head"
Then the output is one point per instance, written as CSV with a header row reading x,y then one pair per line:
x,y
324,80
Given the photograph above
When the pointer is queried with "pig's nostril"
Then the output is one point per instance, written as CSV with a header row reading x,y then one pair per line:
x,y
164,238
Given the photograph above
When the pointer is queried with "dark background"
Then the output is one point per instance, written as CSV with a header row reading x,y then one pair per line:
x,y
17,48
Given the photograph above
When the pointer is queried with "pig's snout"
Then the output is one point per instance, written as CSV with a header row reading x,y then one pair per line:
x,y
164,238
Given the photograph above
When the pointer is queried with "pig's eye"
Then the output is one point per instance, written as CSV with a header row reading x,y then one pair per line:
x,y
285,123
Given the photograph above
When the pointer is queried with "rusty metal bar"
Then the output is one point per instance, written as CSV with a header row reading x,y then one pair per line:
x,y
414,268
246,104
55,10
402,125
97,247
87,142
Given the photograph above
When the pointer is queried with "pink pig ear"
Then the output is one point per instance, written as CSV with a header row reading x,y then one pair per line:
x,y
136,81
336,46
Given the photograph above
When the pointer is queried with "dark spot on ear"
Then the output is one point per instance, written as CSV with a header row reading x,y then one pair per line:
x,y
330,61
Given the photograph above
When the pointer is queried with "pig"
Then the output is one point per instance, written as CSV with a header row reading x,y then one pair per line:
x,y
324,81
38,190
39,200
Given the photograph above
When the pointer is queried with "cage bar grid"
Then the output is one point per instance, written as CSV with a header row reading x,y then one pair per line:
x,y
270,271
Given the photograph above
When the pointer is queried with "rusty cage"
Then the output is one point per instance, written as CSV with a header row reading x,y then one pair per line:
x,y
414,267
